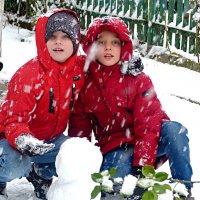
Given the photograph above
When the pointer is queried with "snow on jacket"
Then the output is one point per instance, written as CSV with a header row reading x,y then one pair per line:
x,y
41,93
119,109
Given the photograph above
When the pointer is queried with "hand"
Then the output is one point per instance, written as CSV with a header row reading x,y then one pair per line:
x,y
31,146
137,172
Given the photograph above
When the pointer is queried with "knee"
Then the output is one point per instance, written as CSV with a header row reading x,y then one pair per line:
x,y
13,164
173,130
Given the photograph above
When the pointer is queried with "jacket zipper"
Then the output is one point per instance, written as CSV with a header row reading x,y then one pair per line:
x,y
73,95
51,98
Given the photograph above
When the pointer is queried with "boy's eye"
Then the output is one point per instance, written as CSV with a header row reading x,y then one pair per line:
x,y
52,37
65,36
55,37
101,42
116,43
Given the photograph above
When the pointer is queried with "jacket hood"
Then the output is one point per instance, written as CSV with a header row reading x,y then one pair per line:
x,y
42,51
112,24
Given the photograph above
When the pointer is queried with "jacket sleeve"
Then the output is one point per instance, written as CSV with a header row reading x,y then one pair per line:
x,y
147,122
79,121
19,103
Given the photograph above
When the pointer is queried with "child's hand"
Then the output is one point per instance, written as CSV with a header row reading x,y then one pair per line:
x,y
31,146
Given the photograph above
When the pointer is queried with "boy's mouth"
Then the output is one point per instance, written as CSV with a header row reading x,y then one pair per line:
x,y
108,56
58,49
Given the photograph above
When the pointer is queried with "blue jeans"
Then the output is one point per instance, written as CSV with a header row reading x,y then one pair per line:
x,y
15,165
174,143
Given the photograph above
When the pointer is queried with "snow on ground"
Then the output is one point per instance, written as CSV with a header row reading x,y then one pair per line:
x,y
168,81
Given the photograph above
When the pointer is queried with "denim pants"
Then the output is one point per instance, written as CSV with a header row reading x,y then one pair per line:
x,y
15,165
174,143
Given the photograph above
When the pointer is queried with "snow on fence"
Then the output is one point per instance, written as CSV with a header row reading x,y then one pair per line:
x,y
155,22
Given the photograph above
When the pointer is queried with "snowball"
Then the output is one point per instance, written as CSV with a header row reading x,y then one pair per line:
x,y
128,185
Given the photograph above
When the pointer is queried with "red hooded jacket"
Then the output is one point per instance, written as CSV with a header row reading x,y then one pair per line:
x,y
118,108
41,93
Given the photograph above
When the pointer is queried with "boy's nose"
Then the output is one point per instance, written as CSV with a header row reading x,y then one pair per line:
x,y
58,41
108,46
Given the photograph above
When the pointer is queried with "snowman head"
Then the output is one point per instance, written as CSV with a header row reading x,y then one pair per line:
x,y
78,159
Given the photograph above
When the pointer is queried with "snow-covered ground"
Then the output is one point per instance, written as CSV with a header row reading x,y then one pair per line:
x,y
168,80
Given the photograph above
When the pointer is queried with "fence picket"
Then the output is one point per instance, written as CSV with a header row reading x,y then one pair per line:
x,y
101,6
160,18
145,23
192,35
150,19
95,4
185,26
140,30
162,11
119,7
170,19
107,6
179,20
113,6
126,8
132,8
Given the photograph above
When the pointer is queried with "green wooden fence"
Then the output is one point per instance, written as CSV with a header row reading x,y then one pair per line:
x,y
155,22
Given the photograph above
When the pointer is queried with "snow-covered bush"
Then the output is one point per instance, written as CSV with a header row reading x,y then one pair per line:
x,y
157,185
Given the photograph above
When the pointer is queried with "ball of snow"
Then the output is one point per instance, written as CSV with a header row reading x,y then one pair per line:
x,y
77,158
76,161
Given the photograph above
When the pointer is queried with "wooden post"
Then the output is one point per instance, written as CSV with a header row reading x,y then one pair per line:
x,y
1,23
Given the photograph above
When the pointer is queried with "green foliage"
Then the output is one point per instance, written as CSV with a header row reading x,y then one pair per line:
x,y
161,176
112,172
154,183
149,195
95,192
98,177
148,171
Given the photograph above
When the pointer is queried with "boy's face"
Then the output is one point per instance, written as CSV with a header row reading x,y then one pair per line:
x,y
60,46
108,48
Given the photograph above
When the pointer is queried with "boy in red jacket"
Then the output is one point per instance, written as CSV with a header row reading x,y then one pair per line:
x,y
119,104
40,98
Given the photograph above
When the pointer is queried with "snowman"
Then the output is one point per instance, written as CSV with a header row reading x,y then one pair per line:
x,y
76,161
